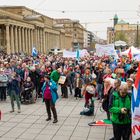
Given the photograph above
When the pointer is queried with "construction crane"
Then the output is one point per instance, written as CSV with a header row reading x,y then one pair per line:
x,y
87,23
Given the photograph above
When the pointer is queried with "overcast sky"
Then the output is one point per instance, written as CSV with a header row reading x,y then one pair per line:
x,y
96,13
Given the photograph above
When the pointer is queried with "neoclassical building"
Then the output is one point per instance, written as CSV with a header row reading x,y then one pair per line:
x,y
74,28
22,28
124,31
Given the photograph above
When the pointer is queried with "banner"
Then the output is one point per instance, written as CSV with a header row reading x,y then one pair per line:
x,y
76,54
69,54
136,108
105,50
83,53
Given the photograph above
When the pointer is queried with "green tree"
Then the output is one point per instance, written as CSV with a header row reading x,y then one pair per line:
x,y
137,41
120,36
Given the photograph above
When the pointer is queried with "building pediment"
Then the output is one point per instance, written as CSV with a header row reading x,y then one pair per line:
x,y
4,17
34,18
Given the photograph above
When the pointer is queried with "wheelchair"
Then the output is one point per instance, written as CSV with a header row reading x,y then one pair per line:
x,y
28,96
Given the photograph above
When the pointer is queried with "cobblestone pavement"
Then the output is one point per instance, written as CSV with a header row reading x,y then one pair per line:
x,y
30,124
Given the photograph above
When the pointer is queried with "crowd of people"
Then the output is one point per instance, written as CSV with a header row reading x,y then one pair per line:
x,y
103,78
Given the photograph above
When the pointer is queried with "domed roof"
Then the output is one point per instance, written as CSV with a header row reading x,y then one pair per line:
x,y
122,22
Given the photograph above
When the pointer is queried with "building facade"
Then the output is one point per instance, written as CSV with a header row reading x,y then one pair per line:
x,y
124,31
22,28
110,35
74,28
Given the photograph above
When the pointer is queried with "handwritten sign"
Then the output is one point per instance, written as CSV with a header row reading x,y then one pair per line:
x,y
62,79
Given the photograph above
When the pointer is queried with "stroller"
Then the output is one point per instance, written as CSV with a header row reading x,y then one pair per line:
x,y
28,93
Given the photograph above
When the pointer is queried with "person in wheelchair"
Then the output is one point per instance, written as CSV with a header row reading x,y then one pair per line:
x,y
28,88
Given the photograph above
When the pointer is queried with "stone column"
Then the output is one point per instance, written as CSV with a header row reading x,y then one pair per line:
x,y
35,38
32,39
44,42
26,41
38,40
8,40
12,39
29,41
41,48
16,40
19,36
47,45
23,39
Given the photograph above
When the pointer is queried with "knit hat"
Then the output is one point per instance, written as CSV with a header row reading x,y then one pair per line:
x,y
130,79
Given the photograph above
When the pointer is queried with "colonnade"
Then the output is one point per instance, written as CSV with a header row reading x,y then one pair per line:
x,y
22,39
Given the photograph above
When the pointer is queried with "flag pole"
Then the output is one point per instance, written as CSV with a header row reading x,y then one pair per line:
x,y
77,56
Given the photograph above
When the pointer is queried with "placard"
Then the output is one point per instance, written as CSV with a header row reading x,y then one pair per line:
x,y
62,79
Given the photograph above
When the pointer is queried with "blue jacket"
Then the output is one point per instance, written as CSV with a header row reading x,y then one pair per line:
x,y
53,88
14,85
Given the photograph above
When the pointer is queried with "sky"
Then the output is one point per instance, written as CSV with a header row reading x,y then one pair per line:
x,y
95,15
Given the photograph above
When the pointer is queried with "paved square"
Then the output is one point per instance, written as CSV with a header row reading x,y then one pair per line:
x,y
30,124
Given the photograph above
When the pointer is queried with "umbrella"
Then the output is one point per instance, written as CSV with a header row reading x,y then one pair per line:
x,y
120,43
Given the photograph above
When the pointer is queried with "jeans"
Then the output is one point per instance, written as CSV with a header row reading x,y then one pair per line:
x,y
14,96
50,106
99,90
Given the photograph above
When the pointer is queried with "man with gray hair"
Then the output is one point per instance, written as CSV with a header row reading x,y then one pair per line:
x,y
120,108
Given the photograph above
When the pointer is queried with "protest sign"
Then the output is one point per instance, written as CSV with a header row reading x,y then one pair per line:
x,y
62,79
105,50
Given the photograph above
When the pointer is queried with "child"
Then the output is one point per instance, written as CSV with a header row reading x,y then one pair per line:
x,y
78,85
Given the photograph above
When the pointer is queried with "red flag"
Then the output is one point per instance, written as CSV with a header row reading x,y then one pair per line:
x,y
130,54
